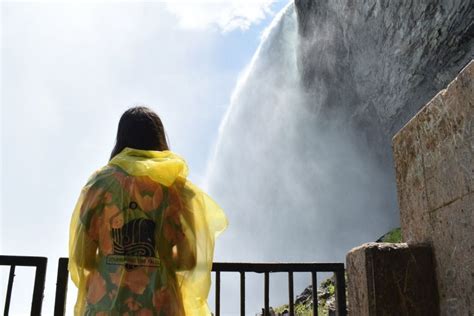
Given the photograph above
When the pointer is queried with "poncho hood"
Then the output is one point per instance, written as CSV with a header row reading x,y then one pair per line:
x,y
164,167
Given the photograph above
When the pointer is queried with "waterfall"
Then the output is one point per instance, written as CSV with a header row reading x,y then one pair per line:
x,y
292,190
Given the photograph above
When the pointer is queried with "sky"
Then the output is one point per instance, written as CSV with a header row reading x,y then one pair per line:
x,y
69,69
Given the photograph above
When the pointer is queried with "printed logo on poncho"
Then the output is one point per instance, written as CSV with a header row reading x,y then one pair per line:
x,y
134,244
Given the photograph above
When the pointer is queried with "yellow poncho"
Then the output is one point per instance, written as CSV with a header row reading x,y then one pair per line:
x,y
142,239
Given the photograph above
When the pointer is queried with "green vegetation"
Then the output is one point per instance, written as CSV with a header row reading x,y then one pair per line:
x,y
393,236
302,310
304,302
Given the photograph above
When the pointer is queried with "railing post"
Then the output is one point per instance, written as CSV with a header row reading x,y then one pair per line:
x,y
341,293
61,287
266,294
314,282
38,289
218,293
242,293
291,294
11,276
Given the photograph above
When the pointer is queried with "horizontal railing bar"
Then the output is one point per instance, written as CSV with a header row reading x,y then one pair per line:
x,y
217,266
276,267
22,261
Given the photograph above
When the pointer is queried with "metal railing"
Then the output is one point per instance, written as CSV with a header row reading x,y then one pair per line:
x,y
290,268
61,287
40,275
243,268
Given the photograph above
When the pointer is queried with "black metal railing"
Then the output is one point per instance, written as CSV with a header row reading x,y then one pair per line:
x,y
61,287
40,275
290,268
243,268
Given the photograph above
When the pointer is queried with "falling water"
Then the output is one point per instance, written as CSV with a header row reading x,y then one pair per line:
x,y
292,191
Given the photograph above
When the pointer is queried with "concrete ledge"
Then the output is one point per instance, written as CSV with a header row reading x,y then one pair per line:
x,y
391,279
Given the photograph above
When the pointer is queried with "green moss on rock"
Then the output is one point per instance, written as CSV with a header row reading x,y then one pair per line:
x,y
393,236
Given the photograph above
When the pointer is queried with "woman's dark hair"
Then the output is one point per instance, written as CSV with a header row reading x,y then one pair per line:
x,y
140,128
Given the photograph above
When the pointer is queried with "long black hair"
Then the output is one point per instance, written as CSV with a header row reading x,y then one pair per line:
x,y
140,128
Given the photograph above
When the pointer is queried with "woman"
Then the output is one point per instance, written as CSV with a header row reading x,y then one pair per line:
x,y
142,235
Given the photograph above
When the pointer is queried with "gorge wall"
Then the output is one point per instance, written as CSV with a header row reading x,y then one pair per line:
x,y
375,63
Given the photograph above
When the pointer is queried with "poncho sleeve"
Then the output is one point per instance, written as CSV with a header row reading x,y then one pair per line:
x,y
208,221
83,239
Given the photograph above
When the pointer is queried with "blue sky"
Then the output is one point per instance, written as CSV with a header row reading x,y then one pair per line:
x,y
68,71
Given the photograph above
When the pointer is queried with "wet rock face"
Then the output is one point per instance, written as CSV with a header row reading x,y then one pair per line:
x,y
376,62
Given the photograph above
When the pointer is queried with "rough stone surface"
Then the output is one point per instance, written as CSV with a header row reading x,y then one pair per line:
x,y
434,164
391,279
453,243
357,282
378,62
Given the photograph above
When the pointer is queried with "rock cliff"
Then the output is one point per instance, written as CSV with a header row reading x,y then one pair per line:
x,y
377,62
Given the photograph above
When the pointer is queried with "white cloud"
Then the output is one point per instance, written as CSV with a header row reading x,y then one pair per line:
x,y
227,15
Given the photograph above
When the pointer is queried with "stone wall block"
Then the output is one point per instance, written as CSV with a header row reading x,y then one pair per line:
x,y
411,194
391,279
357,282
437,148
445,133
453,244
